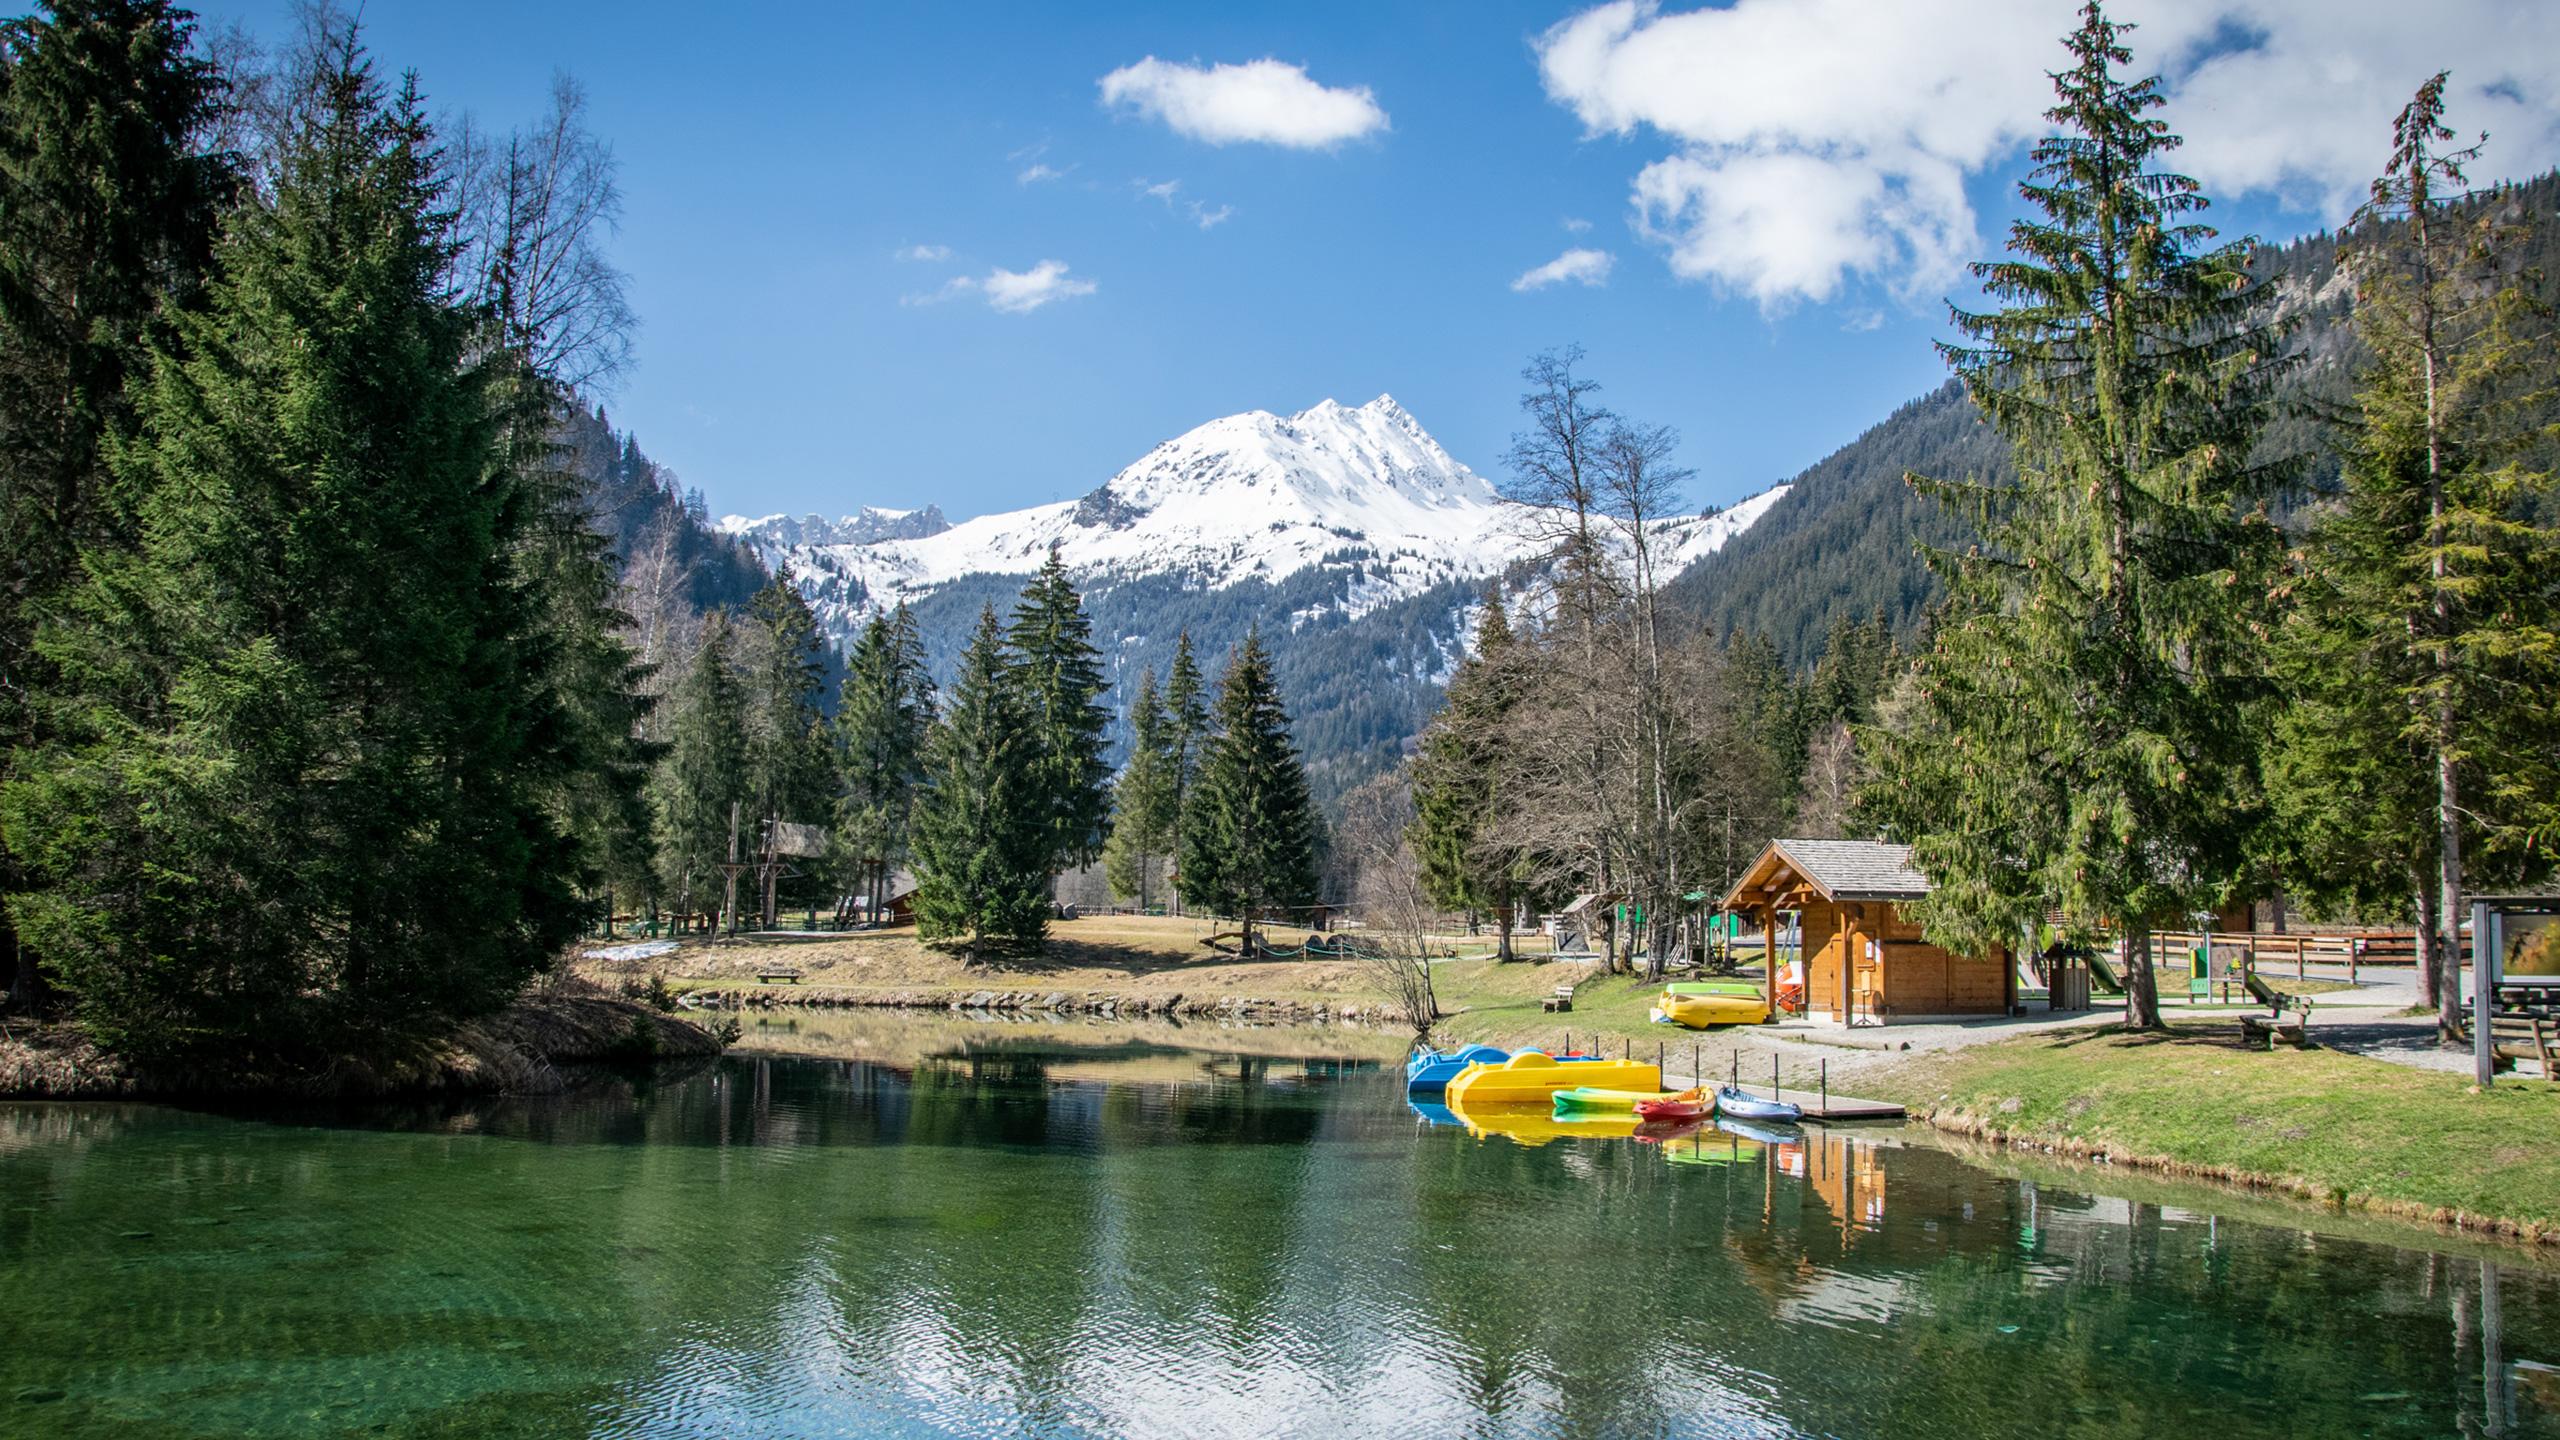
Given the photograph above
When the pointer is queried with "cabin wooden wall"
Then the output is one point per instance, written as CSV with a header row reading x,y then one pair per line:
x,y
1922,979
1825,946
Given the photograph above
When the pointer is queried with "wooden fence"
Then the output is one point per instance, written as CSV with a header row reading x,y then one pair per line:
x,y
2353,949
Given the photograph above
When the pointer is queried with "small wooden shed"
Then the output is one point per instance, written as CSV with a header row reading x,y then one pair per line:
x,y
1864,963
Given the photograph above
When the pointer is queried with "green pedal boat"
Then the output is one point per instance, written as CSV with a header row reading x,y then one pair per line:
x,y
1593,1100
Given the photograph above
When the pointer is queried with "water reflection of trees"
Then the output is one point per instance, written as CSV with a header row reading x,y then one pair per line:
x,y
978,1240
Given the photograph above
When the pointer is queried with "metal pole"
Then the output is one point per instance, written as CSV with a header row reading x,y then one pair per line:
x,y
1777,1087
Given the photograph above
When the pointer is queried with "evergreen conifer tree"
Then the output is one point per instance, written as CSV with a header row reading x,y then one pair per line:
x,y
701,789
1457,784
1186,739
1060,675
2085,733
787,768
1249,828
983,826
881,723
1142,801
790,773
106,217
303,796
2425,641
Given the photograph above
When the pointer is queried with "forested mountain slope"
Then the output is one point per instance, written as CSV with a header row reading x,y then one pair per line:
x,y
1347,535
1845,540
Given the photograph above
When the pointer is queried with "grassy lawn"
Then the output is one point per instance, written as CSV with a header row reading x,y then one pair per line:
x,y
2332,1126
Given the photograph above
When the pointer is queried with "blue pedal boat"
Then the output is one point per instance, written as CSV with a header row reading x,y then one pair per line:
x,y
1429,1070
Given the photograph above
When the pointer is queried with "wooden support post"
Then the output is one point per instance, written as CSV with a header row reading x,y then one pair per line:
x,y
1769,955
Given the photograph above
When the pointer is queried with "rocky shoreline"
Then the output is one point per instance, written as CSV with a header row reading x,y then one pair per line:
x,y
518,1051
1055,1002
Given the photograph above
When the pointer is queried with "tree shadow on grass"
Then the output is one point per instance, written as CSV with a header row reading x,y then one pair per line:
x,y
2126,1037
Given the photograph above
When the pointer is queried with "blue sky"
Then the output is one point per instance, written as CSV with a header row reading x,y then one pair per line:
x,y
1783,188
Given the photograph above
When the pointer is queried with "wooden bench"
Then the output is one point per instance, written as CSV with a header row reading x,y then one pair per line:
x,y
1560,1001
2524,1037
2293,1030
778,973
2274,1026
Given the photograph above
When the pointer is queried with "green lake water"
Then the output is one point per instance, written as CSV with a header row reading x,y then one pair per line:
x,y
1072,1231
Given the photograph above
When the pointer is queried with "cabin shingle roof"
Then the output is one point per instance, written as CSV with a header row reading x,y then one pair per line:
x,y
1856,869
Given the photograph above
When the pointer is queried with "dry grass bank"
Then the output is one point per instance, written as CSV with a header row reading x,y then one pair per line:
x,y
1125,955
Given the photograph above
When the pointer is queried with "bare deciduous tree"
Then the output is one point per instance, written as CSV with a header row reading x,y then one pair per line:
x,y
1373,838
1831,779
536,206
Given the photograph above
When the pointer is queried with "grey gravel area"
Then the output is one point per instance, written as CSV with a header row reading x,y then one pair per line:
x,y
2402,1040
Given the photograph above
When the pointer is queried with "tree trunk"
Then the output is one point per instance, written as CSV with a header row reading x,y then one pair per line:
x,y
2449,900
2141,983
1504,915
27,991
2423,902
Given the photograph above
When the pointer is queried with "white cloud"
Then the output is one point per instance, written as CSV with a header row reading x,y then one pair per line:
x,y
1267,102
1815,143
1013,292
1034,174
1019,293
1575,225
1582,267
1170,192
925,252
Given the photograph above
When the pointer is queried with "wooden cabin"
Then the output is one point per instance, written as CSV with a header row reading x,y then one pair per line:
x,y
1864,963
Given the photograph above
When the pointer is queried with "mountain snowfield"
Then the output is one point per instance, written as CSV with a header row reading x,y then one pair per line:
x,y
1362,496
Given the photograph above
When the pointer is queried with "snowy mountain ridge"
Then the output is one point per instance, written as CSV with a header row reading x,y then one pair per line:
x,y
1363,493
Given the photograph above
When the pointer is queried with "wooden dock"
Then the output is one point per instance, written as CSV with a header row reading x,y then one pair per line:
x,y
1832,1109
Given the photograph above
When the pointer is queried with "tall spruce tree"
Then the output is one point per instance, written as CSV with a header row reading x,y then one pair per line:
x,y
1457,785
2425,639
983,824
1249,830
303,725
1060,675
1143,800
700,792
1186,738
106,217
2085,734
790,772
881,723
784,673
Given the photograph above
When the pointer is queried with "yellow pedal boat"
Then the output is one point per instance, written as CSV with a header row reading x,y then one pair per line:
x,y
1700,1011
1533,1078
1530,1125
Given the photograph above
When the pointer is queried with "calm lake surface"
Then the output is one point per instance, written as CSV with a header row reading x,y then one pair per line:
x,y
1078,1231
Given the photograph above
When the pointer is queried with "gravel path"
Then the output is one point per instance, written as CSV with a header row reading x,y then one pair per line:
x,y
2401,1039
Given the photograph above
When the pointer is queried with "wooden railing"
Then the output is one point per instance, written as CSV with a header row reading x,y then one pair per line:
x,y
2354,949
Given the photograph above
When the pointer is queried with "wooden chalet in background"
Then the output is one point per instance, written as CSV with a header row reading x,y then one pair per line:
x,y
1865,964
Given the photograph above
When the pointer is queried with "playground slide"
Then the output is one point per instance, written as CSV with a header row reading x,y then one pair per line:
x,y
2102,974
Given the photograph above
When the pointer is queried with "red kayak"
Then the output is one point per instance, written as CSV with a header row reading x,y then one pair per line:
x,y
1687,1105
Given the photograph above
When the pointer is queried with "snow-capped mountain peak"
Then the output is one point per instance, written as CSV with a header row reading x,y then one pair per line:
x,y
1362,495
